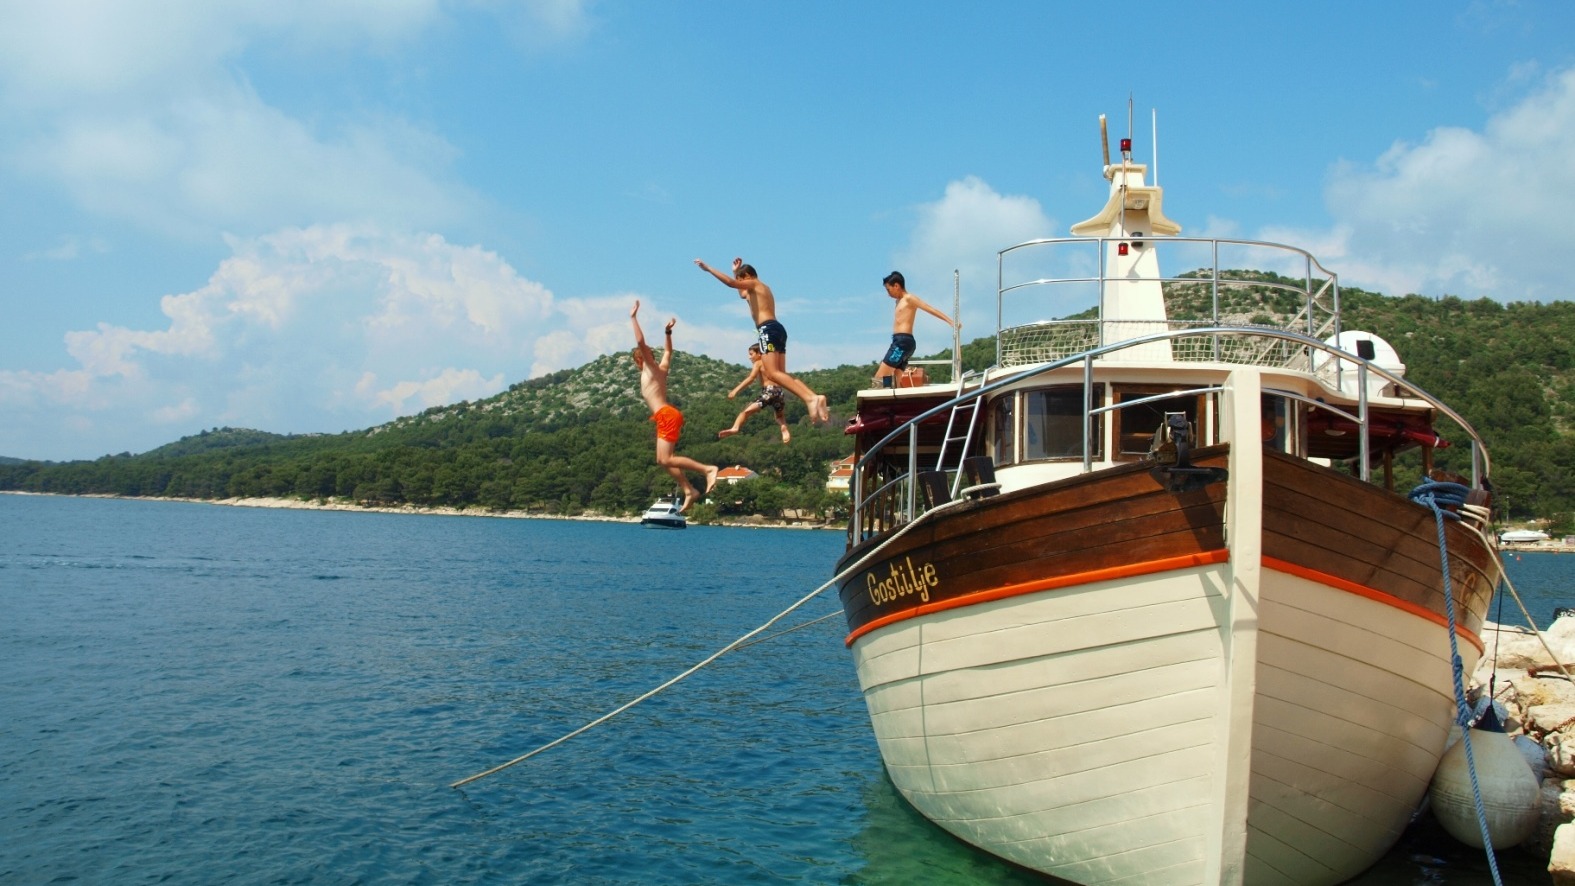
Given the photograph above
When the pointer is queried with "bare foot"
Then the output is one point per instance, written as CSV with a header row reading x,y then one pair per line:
x,y
710,477
786,436
822,411
724,434
690,494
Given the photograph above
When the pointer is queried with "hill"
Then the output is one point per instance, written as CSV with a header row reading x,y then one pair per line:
x,y
571,442
580,440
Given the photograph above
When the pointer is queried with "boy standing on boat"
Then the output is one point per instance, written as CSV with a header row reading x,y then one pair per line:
x,y
669,421
773,336
903,343
770,396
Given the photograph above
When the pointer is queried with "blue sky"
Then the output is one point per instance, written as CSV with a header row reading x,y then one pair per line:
x,y
317,215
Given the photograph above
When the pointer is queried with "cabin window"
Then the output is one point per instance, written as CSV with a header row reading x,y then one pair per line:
x,y
1135,425
1004,412
1053,424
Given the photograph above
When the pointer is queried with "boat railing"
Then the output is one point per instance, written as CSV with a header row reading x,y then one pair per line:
x,y
897,494
1211,296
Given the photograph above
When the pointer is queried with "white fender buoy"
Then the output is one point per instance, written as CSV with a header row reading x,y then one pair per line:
x,y
1510,790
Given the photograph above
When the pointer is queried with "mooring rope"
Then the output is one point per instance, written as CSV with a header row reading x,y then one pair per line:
x,y
1480,518
736,644
1430,494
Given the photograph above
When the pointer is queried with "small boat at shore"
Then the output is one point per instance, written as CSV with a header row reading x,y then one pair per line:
x,y
663,513
1170,593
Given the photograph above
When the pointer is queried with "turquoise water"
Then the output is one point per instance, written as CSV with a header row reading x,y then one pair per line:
x,y
203,694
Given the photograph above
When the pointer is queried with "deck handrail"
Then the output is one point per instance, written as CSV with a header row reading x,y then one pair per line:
x,y
1480,462
1317,282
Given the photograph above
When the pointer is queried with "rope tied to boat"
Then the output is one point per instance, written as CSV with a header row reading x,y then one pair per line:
x,y
746,640
1435,494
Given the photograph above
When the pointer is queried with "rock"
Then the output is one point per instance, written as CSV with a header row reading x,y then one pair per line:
x,y
1561,863
1549,715
1517,648
1553,811
1561,754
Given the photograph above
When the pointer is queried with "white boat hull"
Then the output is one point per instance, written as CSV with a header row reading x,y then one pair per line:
x,y
1081,726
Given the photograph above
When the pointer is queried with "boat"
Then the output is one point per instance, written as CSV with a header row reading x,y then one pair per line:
x,y
1171,592
663,513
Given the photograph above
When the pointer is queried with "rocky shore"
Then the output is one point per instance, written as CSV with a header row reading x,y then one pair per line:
x,y
1535,700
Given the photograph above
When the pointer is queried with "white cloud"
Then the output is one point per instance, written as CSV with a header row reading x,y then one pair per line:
x,y
326,328
176,412
68,248
962,231
67,51
1464,212
448,386
225,159
148,118
596,326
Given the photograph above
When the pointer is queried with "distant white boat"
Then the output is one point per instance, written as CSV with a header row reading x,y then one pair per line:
x,y
664,513
1515,536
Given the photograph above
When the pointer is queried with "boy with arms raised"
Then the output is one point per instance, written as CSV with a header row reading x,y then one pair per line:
x,y
669,421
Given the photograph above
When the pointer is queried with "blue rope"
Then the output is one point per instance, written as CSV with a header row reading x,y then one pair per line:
x,y
1432,494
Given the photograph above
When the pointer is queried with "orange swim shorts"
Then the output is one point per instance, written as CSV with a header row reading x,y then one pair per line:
x,y
669,423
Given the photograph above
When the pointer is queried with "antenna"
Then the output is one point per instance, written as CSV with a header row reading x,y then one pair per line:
x,y
1104,139
1155,112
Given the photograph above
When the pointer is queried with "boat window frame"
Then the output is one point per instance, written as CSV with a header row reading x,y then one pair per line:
x,y
1203,418
996,442
1094,446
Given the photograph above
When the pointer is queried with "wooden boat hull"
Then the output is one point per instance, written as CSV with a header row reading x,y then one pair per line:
x,y
1067,675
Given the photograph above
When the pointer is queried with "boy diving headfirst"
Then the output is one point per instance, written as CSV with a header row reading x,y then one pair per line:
x,y
669,421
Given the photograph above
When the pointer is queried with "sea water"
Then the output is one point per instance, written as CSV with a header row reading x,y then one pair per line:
x,y
201,694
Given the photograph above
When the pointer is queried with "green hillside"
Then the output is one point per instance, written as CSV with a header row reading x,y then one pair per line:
x,y
580,440
572,442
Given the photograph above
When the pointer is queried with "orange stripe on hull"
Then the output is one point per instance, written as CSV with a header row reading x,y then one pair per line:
x,y
1061,581
1352,587
1151,567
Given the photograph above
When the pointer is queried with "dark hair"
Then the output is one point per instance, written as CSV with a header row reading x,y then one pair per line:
x,y
747,271
895,277
754,349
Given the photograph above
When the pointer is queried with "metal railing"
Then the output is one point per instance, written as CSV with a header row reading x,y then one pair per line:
x,y
1208,297
895,498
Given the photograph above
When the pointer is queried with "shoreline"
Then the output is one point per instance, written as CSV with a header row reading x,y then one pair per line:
x,y
296,504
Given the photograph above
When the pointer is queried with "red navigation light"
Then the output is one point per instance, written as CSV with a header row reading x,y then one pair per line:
x,y
1121,249
1126,146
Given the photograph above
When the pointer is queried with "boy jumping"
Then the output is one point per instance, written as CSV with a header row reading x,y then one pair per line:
x,y
669,421
770,396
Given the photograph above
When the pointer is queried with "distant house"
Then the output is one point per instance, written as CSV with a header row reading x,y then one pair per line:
x,y
841,479
734,474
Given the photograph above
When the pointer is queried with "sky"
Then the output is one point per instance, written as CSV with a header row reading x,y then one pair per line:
x,y
319,215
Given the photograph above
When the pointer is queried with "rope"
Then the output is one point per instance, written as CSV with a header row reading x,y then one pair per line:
x,y
783,633
1475,526
736,644
1453,493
